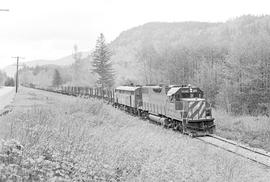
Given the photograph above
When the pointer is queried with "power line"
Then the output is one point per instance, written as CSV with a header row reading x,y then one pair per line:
x,y
17,72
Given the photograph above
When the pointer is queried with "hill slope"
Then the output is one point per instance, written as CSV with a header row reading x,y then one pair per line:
x,y
161,36
155,41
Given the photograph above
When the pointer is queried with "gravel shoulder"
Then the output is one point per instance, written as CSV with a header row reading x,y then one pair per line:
x,y
112,145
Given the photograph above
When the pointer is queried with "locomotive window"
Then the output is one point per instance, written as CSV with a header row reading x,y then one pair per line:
x,y
157,90
185,95
177,97
172,99
191,95
167,89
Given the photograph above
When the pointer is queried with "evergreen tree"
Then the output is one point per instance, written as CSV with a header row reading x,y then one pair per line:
x,y
9,82
3,77
57,80
102,64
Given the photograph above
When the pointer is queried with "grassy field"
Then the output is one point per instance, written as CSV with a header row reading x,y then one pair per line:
x,y
50,137
254,131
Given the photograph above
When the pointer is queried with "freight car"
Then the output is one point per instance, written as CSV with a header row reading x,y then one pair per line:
x,y
182,108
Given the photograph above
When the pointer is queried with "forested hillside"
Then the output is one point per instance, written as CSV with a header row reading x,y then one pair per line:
x,y
230,61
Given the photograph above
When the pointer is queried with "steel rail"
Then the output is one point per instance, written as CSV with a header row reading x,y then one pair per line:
x,y
255,150
261,157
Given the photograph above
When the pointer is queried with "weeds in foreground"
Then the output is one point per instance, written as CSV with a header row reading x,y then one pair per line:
x,y
80,140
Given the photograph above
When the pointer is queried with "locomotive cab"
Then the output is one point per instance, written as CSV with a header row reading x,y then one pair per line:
x,y
190,99
194,110
180,95
188,92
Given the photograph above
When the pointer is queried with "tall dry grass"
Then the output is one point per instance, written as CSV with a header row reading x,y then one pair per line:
x,y
68,139
252,130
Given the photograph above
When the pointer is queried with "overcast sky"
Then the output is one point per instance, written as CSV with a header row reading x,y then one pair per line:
x,y
48,29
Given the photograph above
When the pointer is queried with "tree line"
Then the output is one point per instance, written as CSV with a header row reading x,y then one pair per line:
x,y
93,70
6,80
233,72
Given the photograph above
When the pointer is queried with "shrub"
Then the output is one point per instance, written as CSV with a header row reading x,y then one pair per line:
x,y
9,82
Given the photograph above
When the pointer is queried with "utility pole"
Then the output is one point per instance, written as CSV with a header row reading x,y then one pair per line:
x,y
17,72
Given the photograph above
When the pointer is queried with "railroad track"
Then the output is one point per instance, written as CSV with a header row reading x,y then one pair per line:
x,y
257,155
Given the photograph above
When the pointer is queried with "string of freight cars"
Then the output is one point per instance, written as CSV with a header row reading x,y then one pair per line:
x,y
180,107
143,101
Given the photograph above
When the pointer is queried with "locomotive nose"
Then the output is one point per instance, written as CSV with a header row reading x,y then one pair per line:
x,y
195,108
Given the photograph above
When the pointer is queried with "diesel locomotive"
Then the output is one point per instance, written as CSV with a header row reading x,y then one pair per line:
x,y
182,107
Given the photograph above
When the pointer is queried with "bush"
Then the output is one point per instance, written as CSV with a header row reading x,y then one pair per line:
x,y
9,82
17,164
